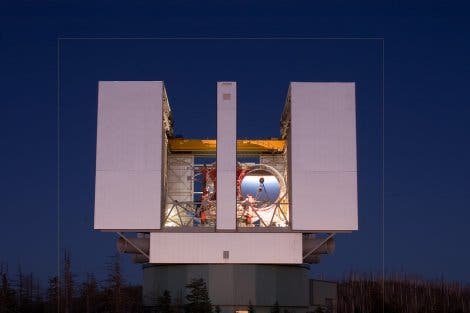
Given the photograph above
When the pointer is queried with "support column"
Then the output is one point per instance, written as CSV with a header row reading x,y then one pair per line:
x,y
226,155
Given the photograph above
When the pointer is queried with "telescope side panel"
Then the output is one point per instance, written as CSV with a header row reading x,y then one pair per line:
x,y
129,156
226,155
323,165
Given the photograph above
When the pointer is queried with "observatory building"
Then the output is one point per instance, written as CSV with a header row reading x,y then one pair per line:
x,y
248,216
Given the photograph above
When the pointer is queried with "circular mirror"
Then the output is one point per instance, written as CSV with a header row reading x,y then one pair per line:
x,y
261,184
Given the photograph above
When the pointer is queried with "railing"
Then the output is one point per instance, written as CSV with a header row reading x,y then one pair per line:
x,y
248,214
190,214
263,213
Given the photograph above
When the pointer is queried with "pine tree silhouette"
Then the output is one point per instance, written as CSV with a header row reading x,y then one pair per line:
x,y
164,303
198,297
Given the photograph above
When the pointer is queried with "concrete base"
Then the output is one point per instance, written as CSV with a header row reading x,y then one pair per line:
x,y
232,286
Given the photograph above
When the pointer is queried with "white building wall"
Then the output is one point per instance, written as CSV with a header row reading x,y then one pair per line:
x,y
180,188
191,248
226,155
129,156
322,143
180,178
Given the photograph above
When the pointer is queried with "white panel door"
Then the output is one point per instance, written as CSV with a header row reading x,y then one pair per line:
x,y
322,143
129,156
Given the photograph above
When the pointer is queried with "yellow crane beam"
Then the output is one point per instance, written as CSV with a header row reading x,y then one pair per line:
x,y
208,146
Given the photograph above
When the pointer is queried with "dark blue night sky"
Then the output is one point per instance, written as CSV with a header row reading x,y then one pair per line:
x,y
420,135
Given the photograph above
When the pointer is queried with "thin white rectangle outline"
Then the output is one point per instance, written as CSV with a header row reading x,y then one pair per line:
x,y
382,129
